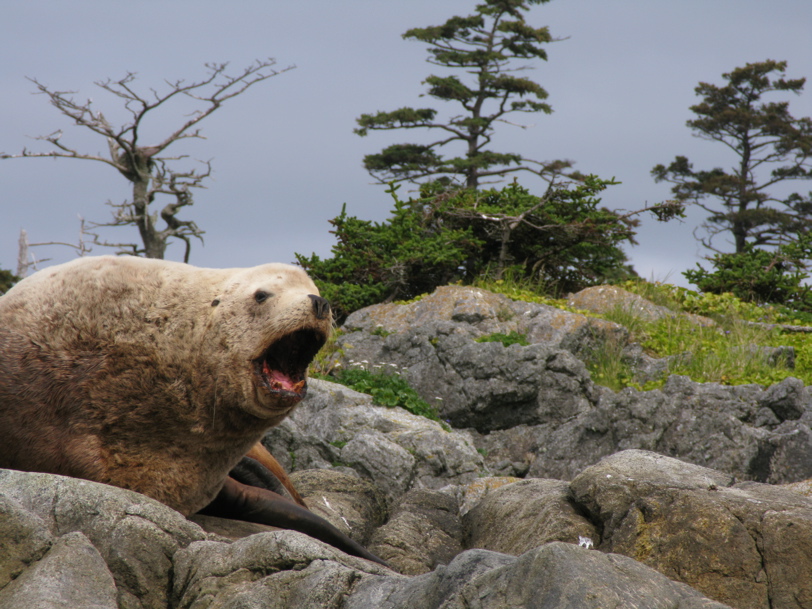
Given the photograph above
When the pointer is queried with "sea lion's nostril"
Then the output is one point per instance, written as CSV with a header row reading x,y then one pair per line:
x,y
320,306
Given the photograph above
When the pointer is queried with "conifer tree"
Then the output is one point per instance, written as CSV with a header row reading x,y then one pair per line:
x,y
770,147
483,47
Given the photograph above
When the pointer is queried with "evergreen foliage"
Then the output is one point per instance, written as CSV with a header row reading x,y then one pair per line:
x,y
760,276
771,146
562,240
7,279
484,45
376,262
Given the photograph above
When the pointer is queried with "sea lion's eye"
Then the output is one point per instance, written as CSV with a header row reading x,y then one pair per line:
x,y
261,296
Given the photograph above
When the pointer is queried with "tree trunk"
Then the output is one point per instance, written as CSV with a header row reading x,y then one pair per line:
x,y
154,242
504,254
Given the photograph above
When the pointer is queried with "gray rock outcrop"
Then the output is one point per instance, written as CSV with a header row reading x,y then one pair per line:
x,y
62,560
535,411
546,490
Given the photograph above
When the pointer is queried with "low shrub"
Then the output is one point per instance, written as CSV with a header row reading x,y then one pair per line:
x,y
388,390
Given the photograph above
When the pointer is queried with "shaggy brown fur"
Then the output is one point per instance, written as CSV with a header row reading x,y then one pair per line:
x,y
151,375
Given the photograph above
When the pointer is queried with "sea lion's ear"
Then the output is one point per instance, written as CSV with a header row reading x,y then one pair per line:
x,y
215,302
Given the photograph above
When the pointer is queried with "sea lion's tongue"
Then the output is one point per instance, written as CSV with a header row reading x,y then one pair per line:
x,y
281,381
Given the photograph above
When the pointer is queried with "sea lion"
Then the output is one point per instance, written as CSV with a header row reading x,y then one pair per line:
x,y
159,377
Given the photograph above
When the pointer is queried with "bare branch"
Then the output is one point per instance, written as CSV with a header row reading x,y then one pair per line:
x,y
143,166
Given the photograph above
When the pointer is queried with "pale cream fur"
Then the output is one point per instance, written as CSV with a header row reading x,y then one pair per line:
x,y
146,366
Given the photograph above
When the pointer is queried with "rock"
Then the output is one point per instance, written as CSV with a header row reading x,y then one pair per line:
x,y
423,532
656,509
353,505
24,539
390,447
71,574
482,385
607,298
727,428
477,313
745,544
786,399
646,368
521,516
428,591
282,569
563,576
534,411
553,576
135,536
486,386
296,450
541,404
472,494
382,461
784,455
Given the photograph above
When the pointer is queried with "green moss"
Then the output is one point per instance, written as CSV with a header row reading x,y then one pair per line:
x,y
512,338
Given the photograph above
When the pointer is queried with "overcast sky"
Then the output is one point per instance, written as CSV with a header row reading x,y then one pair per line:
x,y
284,154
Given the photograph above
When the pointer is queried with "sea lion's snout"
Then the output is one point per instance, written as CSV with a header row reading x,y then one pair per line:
x,y
321,307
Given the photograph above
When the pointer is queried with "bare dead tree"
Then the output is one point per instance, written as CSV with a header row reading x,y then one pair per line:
x,y
145,166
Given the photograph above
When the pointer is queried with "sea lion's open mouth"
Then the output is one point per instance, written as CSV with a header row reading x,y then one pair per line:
x,y
283,366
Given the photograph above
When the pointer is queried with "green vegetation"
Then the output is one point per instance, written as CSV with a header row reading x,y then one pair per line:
x,y
325,360
770,231
725,305
562,240
725,352
760,276
770,147
512,338
728,351
379,262
482,48
388,390
7,279
607,367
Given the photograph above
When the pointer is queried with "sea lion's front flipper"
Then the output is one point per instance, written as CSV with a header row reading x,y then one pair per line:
x,y
239,501
260,454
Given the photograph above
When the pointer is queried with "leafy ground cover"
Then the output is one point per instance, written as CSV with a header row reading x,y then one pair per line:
x,y
727,352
